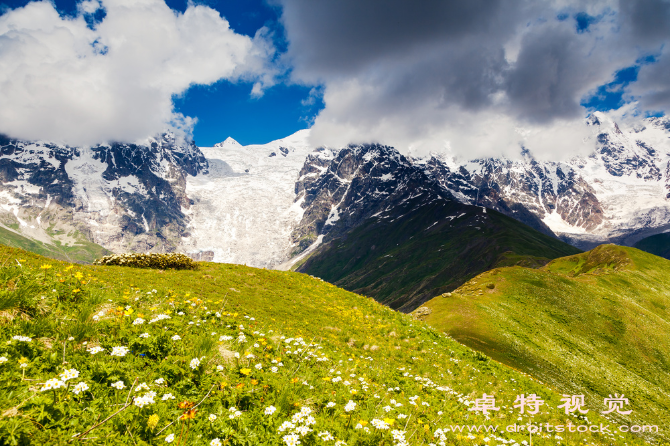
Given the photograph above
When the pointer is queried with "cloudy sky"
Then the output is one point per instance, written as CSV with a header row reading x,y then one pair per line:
x,y
471,77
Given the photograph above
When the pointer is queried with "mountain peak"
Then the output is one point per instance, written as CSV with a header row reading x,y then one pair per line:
x,y
229,143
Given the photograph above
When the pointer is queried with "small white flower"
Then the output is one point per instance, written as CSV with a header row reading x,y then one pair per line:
x,y
176,337
22,338
69,374
258,366
119,351
144,335
3,359
212,417
219,368
160,381
274,369
81,387
195,362
53,384
169,438
138,321
94,350
270,410
215,442
118,385
168,396
71,338
330,404
351,406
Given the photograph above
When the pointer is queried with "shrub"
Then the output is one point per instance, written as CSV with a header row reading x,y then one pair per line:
x,y
150,260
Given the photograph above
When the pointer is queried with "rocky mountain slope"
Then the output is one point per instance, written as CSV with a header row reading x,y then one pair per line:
x,y
377,224
619,193
121,196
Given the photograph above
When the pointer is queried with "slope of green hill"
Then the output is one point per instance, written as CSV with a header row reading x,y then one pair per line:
x,y
596,323
658,244
81,252
404,261
233,355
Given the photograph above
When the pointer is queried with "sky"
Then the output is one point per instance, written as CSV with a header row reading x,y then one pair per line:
x,y
476,78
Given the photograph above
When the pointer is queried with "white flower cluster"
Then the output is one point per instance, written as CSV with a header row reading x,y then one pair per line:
x,y
53,383
350,407
379,424
119,351
225,338
145,400
234,413
69,374
159,317
195,363
22,338
138,321
81,387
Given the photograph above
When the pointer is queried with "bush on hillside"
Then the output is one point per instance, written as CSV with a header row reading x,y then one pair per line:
x,y
150,260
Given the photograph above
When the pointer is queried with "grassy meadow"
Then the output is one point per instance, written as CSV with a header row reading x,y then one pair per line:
x,y
595,323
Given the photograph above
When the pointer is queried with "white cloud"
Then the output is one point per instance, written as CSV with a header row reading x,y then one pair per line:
x,y
62,81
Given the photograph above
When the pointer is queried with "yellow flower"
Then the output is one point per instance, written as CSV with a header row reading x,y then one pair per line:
x,y
363,423
327,378
245,372
254,382
153,421
23,360
79,275
76,290
45,266
389,421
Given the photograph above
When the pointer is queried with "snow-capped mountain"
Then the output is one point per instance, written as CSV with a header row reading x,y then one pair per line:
x,y
244,209
619,193
121,196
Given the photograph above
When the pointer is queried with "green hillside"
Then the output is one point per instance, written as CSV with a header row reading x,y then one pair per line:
x,y
595,323
406,261
81,252
658,244
233,355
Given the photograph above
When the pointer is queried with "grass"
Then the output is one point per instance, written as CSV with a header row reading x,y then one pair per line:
x,y
594,323
234,324
405,262
81,252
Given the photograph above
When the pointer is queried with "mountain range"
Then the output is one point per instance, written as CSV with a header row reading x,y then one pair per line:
x,y
279,204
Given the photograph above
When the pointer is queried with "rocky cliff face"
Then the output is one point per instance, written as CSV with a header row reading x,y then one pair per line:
x,y
340,189
126,197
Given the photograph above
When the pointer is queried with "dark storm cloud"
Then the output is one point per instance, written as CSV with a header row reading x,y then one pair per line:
x,y
344,36
648,21
395,66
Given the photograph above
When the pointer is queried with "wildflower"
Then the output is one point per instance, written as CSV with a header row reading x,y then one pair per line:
x,y
138,321
153,421
145,399
195,362
351,406
22,338
330,404
141,386
81,387
144,335
167,396
176,337
119,351
286,425
69,374
234,413
185,405
53,383
169,438
118,385
245,371
160,381
189,414
70,338
270,410
274,369
3,359
219,368
225,338
258,366
212,417
215,442
379,424
303,430
325,436
340,443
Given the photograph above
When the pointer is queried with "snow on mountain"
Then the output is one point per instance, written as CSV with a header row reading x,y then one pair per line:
x,y
619,193
244,209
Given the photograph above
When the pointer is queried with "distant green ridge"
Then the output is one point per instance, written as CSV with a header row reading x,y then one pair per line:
x,y
81,252
658,244
430,250
596,323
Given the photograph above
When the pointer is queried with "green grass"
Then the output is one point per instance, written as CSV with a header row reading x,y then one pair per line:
x,y
595,323
81,252
402,264
658,244
398,369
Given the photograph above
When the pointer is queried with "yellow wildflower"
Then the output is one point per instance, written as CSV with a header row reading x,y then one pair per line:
x,y
153,421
